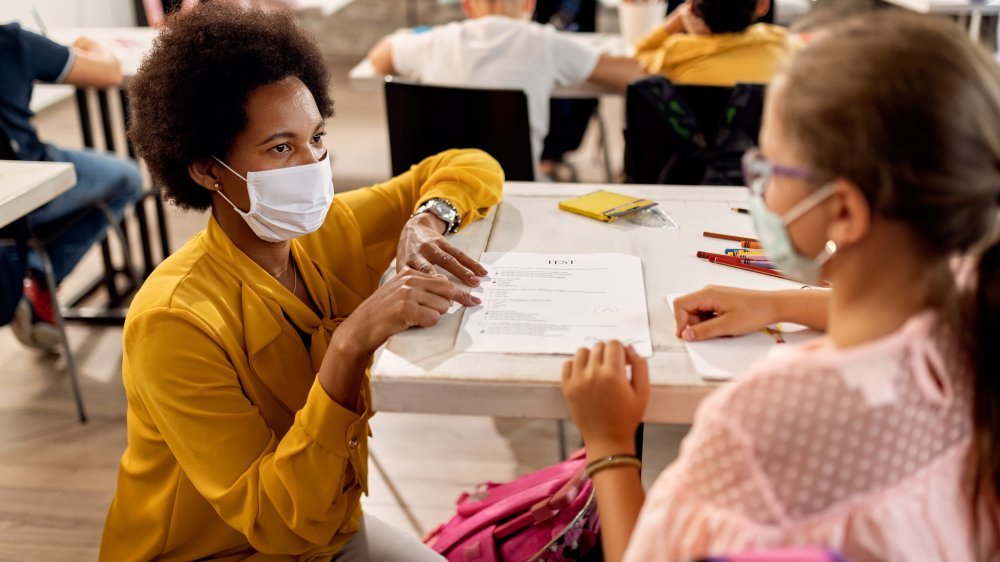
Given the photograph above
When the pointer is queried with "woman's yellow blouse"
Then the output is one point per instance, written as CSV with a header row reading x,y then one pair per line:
x,y
234,449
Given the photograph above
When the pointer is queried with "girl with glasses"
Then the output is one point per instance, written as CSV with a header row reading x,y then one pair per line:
x,y
878,170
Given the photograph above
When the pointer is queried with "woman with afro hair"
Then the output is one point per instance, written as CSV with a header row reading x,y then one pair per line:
x,y
246,352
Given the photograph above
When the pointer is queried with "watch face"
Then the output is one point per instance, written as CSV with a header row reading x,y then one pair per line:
x,y
444,211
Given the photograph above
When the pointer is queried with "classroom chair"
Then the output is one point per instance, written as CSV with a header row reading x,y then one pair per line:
x,y
688,134
21,235
425,120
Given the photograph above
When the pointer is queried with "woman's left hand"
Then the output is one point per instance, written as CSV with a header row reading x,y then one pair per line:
x,y
422,246
604,403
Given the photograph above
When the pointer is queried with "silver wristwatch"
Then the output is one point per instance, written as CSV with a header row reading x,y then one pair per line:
x,y
443,210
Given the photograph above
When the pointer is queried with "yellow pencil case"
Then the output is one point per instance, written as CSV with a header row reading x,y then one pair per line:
x,y
605,206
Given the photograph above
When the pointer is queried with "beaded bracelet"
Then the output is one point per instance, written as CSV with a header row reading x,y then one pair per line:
x,y
598,465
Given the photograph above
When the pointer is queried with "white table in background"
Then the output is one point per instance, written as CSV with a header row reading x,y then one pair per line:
x,y
363,76
326,7
420,370
128,44
26,186
974,10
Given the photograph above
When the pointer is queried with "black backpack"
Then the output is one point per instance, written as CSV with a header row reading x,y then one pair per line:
x,y
689,135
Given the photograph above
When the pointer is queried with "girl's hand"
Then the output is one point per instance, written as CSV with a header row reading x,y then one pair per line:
x,y
422,246
605,405
715,311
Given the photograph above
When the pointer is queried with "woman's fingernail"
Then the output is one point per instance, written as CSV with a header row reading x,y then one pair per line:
x,y
476,299
688,334
473,280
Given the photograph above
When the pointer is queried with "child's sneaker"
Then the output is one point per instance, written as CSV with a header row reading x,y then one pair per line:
x,y
33,322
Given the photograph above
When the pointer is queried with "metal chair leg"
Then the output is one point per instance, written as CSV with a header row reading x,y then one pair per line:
x,y
50,281
117,226
603,140
161,219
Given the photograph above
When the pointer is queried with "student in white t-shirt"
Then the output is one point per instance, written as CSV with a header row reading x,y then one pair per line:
x,y
498,47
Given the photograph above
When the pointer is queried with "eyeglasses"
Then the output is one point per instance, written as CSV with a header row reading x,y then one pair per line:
x,y
758,171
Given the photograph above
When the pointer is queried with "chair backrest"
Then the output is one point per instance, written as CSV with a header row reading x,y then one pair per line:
x,y
689,134
424,120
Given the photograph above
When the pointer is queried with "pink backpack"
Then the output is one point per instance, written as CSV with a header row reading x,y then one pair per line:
x,y
548,515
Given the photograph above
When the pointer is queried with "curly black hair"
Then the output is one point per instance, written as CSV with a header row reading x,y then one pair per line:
x,y
725,16
188,99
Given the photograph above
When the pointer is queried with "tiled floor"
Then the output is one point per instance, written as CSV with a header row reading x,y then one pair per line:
x,y
57,476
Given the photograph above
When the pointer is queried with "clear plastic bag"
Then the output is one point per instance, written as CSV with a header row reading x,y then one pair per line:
x,y
652,217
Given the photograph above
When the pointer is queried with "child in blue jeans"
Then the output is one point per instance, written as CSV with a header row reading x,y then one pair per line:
x,y
101,179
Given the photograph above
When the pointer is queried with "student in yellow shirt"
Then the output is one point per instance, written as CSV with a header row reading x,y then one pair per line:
x,y
715,43
246,352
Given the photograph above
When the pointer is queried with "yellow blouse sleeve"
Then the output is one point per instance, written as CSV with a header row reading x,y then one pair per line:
x,y
470,179
286,495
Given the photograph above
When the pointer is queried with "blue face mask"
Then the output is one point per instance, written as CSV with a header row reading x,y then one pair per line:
x,y
772,230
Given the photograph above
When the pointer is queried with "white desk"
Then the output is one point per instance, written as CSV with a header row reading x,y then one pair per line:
x,y
972,9
363,77
420,371
26,186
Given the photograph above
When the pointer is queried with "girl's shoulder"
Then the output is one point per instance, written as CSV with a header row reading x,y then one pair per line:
x,y
826,425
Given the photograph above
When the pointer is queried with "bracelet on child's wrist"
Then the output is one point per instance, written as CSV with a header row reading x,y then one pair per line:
x,y
612,461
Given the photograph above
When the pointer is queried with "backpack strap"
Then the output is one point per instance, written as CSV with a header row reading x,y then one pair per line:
x,y
549,507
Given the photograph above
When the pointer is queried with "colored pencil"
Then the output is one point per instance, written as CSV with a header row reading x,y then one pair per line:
x,y
751,244
741,210
743,252
741,239
754,269
707,255
731,263
735,259
758,262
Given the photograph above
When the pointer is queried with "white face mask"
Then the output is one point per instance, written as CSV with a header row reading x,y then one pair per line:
x,y
772,229
287,202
